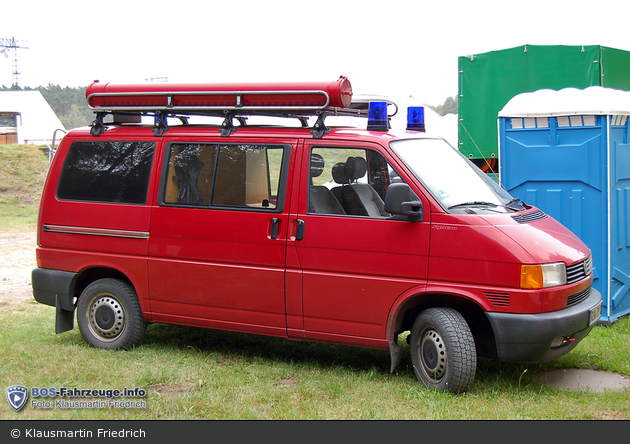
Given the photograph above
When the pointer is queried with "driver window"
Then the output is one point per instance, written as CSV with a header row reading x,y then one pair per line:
x,y
349,181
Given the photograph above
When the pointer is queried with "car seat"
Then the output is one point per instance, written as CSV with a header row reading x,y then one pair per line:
x,y
357,199
321,199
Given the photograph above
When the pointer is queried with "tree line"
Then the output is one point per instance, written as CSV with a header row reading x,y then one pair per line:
x,y
450,106
69,104
71,107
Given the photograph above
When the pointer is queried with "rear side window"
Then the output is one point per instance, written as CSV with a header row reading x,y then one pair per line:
x,y
107,171
217,175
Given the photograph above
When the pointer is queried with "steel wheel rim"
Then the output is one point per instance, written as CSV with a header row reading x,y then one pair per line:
x,y
106,317
433,355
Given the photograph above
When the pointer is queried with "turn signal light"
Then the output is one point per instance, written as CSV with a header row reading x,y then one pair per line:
x,y
531,276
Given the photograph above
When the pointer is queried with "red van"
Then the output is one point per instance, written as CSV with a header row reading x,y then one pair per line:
x,y
306,231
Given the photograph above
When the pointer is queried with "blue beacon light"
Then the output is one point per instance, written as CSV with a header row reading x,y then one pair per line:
x,y
415,118
377,116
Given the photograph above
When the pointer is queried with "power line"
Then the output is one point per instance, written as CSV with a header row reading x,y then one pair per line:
x,y
11,44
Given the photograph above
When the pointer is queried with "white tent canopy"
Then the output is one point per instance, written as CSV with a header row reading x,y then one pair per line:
x,y
595,100
36,122
443,126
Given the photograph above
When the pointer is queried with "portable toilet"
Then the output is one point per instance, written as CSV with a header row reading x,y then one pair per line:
x,y
567,152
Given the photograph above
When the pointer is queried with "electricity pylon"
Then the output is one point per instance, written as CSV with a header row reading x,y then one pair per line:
x,y
11,44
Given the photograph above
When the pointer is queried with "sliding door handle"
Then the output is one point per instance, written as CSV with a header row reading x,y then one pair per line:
x,y
299,231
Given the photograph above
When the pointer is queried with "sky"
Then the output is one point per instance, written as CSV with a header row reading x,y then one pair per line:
x,y
397,48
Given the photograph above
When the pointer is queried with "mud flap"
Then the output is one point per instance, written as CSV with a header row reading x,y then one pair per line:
x,y
65,318
395,353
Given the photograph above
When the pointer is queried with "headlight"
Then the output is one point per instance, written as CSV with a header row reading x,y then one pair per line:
x,y
543,276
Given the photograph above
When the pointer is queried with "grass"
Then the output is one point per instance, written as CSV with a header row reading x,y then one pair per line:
x,y
192,373
23,171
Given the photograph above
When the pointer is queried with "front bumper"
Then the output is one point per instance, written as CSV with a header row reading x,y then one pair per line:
x,y
543,337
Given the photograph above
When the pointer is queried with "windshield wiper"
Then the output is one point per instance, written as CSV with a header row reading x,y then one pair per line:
x,y
492,205
475,203
518,201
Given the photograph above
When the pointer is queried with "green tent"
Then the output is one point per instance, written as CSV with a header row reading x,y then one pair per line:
x,y
489,80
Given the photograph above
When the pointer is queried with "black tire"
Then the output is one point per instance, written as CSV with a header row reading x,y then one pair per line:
x,y
109,315
443,350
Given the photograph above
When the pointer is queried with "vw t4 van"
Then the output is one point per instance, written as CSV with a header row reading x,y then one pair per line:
x,y
183,204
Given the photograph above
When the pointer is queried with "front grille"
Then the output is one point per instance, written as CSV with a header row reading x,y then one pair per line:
x,y
530,217
579,271
578,297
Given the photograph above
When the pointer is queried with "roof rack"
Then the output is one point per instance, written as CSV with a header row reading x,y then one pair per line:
x,y
127,103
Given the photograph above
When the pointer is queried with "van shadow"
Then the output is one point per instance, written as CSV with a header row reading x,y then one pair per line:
x,y
267,348
491,374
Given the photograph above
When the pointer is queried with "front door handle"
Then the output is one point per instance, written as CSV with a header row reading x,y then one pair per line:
x,y
275,223
299,231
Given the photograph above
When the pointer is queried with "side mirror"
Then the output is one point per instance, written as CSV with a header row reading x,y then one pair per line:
x,y
400,199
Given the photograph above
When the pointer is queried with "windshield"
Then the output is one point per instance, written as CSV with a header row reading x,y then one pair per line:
x,y
454,181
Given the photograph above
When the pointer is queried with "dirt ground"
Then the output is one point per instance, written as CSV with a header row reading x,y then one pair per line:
x,y
17,251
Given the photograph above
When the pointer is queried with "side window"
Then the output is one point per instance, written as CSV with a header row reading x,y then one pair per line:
x,y
106,171
190,173
349,181
214,175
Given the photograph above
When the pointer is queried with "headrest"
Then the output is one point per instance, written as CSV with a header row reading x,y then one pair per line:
x,y
339,173
356,167
317,165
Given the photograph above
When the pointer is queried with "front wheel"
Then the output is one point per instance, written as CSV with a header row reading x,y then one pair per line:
x,y
109,315
443,350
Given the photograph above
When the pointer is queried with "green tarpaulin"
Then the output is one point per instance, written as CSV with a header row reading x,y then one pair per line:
x,y
489,80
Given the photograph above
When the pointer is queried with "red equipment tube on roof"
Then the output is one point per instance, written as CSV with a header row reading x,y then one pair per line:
x,y
336,94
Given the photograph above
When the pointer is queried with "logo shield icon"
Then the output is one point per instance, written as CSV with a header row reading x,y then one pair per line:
x,y
17,395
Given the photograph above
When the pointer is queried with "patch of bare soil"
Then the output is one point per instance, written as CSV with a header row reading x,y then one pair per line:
x,y
171,390
608,416
17,251
285,382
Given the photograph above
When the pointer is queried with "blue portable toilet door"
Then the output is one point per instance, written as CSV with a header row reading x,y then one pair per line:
x,y
558,164
619,291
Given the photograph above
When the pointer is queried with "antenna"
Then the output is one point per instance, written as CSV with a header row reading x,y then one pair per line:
x,y
8,44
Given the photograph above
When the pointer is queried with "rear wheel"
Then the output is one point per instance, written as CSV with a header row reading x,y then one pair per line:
x,y
109,315
443,350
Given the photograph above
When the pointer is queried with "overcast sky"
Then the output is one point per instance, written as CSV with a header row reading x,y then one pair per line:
x,y
398,48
